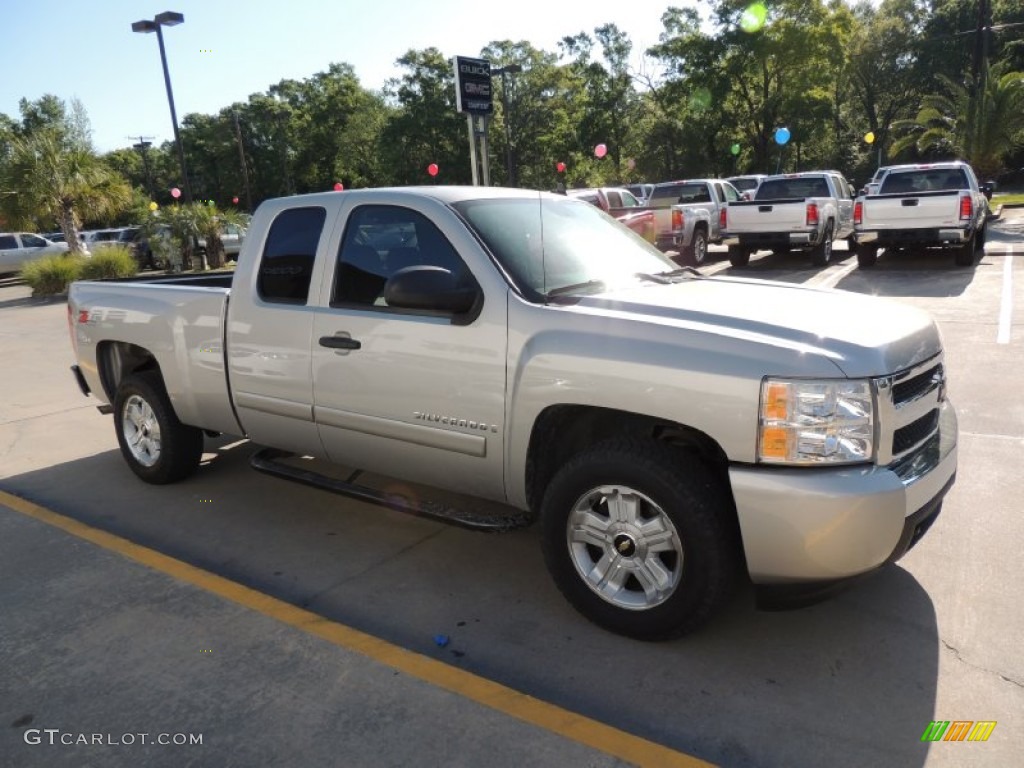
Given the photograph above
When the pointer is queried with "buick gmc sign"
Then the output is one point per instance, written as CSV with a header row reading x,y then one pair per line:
x,y
473,86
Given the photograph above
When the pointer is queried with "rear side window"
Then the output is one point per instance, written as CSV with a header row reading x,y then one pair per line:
x,y
287,263
7,242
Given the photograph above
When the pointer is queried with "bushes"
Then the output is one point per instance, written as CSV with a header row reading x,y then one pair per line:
x,y
112,261
52,275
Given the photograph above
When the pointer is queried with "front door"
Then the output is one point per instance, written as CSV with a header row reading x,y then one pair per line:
x,y
414,395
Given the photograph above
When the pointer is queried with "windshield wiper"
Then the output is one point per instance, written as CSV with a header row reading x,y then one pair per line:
x,y
575,287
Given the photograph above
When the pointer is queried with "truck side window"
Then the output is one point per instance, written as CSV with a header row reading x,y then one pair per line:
x,y
288,256
7,242
380,240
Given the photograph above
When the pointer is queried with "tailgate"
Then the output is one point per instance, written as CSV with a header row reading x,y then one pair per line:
x,y
767,216
922,211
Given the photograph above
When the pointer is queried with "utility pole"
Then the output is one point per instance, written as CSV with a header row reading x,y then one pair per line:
x,y
143,148
245,169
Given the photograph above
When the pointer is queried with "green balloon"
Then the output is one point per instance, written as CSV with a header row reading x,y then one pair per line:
x,y
735,149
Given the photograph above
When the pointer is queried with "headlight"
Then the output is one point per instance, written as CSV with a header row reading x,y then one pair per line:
x,y
825,421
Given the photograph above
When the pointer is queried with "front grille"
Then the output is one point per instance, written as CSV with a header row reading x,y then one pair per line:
x,y
909,404
913,388
916,432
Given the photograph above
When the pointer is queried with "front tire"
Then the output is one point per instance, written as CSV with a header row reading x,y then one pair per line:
x,y
639,541
157,447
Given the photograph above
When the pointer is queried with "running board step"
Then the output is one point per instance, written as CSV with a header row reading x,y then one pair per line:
x,y
271,461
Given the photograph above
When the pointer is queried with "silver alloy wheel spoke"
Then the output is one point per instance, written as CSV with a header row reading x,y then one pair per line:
x,y
141,431
624,547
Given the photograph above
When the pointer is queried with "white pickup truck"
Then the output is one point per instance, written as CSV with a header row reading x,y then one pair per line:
x,y
796,211
937,205
672,431
695,218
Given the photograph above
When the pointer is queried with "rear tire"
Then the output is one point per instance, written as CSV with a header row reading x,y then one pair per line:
x,y
638,541
697,252
157,447
739,257
964,255
821,254
867,256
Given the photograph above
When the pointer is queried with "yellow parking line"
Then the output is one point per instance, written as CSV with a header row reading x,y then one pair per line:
x,y
508,701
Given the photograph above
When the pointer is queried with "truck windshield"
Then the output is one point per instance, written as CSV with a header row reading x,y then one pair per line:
x,y
547,245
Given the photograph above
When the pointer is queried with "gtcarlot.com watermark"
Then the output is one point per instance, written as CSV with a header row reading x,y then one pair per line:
x,y
53,736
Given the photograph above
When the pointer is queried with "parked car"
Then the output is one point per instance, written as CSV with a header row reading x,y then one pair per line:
x,y
621,204
747,185
696,219
671,430
794,211
641,192
933,205
102,238
19,248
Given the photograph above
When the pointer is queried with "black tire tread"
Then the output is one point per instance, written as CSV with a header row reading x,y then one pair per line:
x,y
712,522
181,445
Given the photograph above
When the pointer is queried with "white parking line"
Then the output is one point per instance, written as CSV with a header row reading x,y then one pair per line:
x,y
1006,304
830,277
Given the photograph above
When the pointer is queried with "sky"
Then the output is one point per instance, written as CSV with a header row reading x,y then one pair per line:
x,y
229,49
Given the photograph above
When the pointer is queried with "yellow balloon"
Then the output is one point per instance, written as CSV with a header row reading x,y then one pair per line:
x,y
153,206
869,137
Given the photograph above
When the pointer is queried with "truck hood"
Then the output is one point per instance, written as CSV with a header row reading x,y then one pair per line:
x,y
862,335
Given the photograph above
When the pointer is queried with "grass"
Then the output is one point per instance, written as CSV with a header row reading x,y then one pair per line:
x,y
52,275
1016,198
111,261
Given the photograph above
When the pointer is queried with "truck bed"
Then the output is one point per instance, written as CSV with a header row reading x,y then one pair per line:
x,y
180,319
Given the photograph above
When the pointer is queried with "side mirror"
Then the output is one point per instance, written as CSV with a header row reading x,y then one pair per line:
x,y
429,288
988,188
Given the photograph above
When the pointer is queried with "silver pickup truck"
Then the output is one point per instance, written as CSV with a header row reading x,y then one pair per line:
x,y
673,432
696,217
795,211
936,205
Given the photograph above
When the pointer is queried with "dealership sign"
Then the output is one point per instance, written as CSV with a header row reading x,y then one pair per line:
x,y
473,86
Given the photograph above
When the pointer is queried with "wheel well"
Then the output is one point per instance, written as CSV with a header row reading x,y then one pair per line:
x,y
118,359
562,431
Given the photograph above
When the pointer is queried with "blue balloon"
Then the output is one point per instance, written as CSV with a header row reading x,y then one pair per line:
x,y
781,136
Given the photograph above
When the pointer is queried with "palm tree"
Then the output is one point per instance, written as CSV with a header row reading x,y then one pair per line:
x,y
58,180
211,222
982,131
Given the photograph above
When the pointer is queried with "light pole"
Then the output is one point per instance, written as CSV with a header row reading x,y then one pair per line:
x,y
510,69
168,19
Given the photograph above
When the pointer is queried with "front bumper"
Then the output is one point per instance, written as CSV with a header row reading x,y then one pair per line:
x,y
819,525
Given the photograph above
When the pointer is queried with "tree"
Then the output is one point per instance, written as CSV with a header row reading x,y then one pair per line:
x,y
952,123
55,182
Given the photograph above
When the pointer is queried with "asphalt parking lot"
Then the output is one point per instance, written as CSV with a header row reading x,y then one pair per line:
x,y
286,626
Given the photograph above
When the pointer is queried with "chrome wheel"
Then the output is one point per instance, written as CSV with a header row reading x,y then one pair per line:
x,y
624,547
141,431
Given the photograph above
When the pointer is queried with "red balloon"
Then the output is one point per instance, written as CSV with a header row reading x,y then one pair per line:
x,y
600,150
560,167
432,169
338,186
234,200
175,193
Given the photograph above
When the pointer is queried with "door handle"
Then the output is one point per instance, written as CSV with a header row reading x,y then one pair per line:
x,y
340,342
909,203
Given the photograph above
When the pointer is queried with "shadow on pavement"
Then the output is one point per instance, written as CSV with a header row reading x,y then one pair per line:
x,y
850,682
